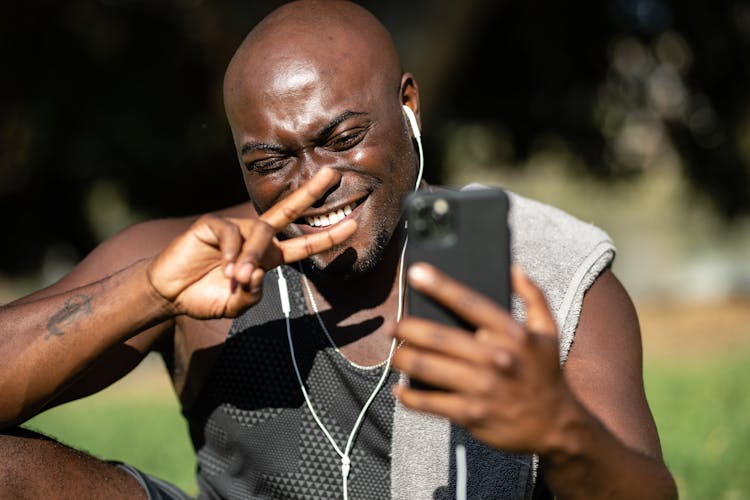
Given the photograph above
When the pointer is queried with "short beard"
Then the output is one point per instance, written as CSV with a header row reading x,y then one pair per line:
x,y
348,264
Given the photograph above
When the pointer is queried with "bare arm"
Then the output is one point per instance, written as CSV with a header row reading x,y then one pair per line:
x,y
616,452
40,335
591,426
214,269
48,342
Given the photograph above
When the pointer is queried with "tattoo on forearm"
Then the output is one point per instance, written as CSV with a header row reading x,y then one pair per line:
x,y
73,307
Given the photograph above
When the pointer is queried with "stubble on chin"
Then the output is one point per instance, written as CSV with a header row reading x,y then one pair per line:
x,y
344,261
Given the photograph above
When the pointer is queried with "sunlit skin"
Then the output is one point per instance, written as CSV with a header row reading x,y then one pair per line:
x,y
504,383
488,376
294,111
313,97
228,257
294,108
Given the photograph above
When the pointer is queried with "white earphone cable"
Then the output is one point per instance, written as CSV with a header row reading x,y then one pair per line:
x,y
461,467
418,138
345,455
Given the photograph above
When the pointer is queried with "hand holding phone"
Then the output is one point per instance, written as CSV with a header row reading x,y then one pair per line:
x,y
464,234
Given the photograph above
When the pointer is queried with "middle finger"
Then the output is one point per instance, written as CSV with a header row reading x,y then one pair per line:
x,y
447,373
445,339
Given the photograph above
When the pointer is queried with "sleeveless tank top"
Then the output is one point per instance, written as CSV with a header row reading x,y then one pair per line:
x,y
255,436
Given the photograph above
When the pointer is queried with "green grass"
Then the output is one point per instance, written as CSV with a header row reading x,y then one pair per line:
x,y
702,411
146,431
703,415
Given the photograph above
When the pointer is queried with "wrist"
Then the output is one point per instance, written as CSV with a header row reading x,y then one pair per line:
x,y
162,306
568,438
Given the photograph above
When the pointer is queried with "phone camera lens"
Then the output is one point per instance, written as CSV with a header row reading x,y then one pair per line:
x,y
421,227
440,210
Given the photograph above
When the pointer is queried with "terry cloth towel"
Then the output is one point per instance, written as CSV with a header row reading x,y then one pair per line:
x,y
563,256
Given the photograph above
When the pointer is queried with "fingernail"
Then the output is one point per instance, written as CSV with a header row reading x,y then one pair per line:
x,y
396,390
503,360
229,270
246,270
419,274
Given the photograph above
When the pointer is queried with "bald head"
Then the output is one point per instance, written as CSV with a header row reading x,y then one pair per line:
x,y
326,40
329,22
318,83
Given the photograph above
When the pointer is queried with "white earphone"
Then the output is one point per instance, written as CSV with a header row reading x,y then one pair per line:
x,y
345,454
412,121
417,137
461,466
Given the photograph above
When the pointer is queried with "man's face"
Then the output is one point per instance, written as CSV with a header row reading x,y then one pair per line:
x,y
303,115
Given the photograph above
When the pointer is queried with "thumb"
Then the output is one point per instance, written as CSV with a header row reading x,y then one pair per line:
x,y
539,318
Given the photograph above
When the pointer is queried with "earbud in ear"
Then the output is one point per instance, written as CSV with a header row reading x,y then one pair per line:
x,y
417,134
412,121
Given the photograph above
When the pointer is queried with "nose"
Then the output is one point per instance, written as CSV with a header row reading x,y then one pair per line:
x,y
309,163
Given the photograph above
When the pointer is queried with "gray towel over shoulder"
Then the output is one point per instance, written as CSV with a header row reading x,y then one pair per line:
x,y
562,255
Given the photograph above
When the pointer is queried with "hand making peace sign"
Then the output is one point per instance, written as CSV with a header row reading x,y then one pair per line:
x,y
216,268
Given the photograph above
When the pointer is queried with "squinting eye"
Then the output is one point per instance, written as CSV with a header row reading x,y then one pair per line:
x,y
347,139
267,165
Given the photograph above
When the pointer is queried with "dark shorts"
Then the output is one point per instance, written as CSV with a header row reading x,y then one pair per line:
x,y
156,489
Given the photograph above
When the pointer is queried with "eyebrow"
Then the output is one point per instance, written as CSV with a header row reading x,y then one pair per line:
x,y
336,121
249,147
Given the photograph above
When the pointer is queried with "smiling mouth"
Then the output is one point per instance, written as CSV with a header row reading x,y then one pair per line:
x,y
331,217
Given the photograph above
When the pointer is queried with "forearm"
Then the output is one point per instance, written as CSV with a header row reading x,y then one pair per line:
x,y
589,462
45,344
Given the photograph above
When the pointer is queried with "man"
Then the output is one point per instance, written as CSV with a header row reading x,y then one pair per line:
x,y
290,398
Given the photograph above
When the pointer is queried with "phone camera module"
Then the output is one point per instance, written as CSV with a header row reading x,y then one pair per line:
x,y
440,211
432,220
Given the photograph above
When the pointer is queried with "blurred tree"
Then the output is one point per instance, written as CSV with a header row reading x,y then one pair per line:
x,y
621,82
120,92
122,98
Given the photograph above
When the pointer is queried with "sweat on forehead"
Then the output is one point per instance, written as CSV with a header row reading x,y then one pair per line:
x,y
340,39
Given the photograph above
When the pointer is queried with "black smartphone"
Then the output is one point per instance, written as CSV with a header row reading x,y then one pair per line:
x,y
464,234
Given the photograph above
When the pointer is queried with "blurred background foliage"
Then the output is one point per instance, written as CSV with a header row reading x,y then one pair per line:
x,y
112,109
631,114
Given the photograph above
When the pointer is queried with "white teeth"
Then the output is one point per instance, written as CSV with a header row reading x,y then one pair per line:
x,y
331,218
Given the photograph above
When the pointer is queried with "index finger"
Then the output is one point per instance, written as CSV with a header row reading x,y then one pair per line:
x,y
468,304
290,208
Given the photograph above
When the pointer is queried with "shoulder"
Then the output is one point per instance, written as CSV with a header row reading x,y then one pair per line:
x,y
562,254
533,221
545,238
551,244
148,238
139,241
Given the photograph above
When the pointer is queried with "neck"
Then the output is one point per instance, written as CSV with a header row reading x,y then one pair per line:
x,y
357,309
364,290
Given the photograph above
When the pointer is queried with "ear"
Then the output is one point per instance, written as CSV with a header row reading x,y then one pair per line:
x,y
409,93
